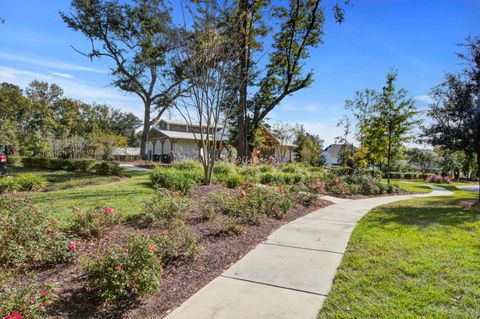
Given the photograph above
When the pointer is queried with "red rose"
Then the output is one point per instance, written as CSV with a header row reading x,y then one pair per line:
x,y
43,292
118,267
108,210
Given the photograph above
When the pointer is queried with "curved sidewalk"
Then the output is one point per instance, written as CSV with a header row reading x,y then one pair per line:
x,y
291,272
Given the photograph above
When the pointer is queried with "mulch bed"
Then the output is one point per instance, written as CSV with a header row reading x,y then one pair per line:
x,y
178,282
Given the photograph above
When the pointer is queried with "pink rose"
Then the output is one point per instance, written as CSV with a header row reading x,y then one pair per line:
x,y
72,245
108,210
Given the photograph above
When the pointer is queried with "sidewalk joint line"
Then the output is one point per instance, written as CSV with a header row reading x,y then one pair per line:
x,y
272,285
304,248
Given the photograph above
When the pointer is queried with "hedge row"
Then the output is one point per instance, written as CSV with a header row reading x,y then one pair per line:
x,y
82,165
408,175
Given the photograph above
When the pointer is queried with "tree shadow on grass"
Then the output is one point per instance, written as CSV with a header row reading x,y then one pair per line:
x,y
428,215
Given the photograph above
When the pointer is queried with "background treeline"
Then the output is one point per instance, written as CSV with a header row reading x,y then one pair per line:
x,y
41,121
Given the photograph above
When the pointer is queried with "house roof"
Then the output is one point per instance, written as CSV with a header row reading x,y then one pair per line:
x,y
183,123
190,135
334,149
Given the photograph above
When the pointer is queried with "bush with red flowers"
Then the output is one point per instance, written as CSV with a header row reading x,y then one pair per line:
x,y
28,236
176,245
437,179
130,269
27,302
93,222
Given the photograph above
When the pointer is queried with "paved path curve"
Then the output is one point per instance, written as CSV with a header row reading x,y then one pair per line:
x,y
289,274
473,188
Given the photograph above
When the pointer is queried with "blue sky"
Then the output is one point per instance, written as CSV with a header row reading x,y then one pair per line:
x,y
416,37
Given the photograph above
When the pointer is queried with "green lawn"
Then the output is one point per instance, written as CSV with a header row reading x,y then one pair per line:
x,y
126,196
413,186
412,259
64,179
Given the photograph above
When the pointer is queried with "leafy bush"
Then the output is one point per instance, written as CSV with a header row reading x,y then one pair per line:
x,y
30,182
293,168
437,179
83,165
177,245
108,168
27,236
132,268
189,165
268,177
234,180
265,168
167,209
223,168
341,170
250,204
93,222
177,180
28,301
13,160
349,185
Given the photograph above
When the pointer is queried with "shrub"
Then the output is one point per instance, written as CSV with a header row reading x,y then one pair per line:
x,y
249,205
341,170
265,168
178,180
81,165
223,168
189,165
23,182
13,160
30,182
132,268
108,168
234,180
167,209
437,179
268,178
27,236
293,168
177,245
29,300
93,222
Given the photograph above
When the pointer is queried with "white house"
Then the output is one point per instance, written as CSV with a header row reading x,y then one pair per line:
x,y
176,141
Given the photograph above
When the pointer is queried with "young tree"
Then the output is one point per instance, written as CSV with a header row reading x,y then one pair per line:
x,y
207,57
395,116
137,39
285,135
455,110
308,148
422,158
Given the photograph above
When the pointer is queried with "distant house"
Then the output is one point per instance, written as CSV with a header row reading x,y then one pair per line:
x,y
176,141
332,153
273,148
126,153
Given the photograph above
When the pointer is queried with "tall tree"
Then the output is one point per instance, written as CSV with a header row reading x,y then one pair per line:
x,y
300,29
137,39
395,117
455,110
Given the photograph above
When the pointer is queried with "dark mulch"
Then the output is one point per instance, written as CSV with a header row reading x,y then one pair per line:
x,y
178,282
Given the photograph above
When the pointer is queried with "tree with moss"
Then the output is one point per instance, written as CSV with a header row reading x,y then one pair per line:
x,y
137,38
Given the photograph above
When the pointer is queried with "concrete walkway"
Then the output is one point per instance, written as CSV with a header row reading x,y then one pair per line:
x,y
473,188
134,168
290,274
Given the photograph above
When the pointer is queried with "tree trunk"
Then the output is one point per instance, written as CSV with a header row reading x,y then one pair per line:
x,y
242,147
389,156
146,130
478,175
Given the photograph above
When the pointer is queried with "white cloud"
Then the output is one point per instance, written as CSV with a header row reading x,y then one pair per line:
x,y
54,64
62,75
424,98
